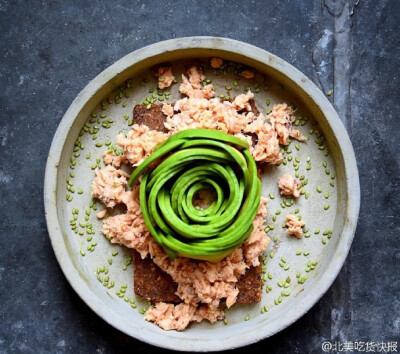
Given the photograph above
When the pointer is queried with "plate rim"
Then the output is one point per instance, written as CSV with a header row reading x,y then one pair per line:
x,y
255,53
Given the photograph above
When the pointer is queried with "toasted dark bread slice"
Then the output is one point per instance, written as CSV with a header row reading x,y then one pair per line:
x,y
150,282
152,117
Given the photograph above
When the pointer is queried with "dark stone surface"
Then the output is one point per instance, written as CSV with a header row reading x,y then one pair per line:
x,y
50,50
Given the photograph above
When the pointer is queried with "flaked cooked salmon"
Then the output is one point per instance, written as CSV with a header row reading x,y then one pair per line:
x,y
288,185
294,225
165,77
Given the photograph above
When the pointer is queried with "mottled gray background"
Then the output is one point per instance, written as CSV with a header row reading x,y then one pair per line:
x,y
51,49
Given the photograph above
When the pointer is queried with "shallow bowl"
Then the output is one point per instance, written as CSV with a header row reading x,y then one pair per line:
x,y
279,82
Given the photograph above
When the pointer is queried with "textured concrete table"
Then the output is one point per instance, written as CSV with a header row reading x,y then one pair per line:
x,y
51,50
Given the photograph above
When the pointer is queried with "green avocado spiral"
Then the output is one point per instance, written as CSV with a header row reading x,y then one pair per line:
x,y
193,160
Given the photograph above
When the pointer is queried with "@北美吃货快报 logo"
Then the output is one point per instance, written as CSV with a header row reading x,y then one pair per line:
x,y
359,346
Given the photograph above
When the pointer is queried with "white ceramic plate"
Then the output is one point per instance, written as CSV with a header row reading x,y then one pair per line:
x,y
278,82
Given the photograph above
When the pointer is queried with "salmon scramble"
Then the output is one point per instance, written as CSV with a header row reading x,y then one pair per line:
x,y
202,286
